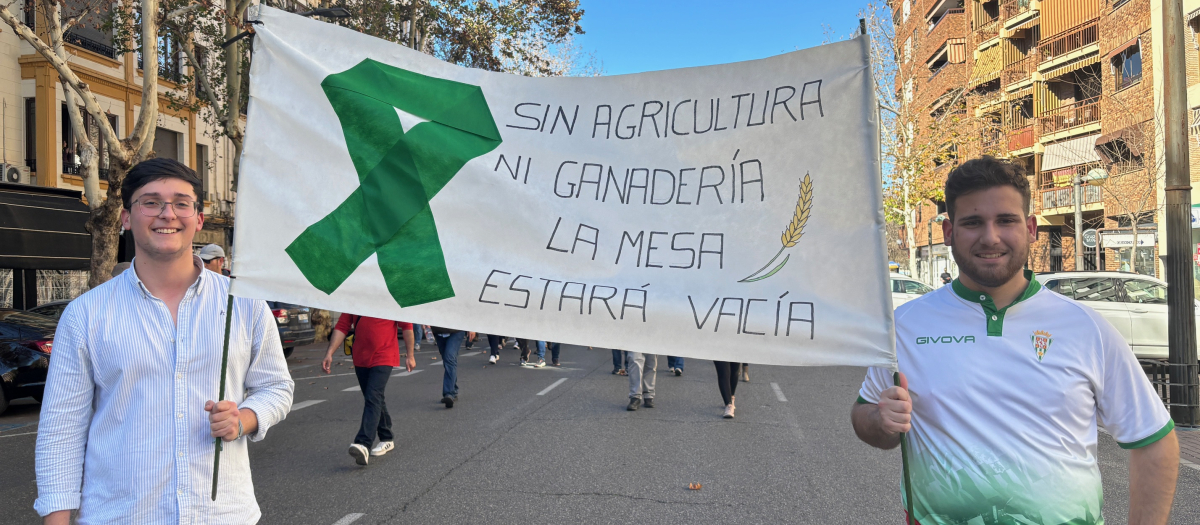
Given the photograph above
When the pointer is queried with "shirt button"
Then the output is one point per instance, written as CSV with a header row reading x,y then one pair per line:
x,y
983,298
179,415
178,376
994,318
181,454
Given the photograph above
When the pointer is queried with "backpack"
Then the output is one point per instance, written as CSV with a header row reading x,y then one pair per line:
x,y
348,344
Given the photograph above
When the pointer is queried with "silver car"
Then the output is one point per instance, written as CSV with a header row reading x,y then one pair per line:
x,y
1135,304
905,289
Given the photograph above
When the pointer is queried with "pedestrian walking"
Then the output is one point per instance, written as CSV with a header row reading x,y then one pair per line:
x,y
375,352
555,349
1011,398
745,372
727,380
128,413
675,365
527,346
449,341
642,369
495,342
618,362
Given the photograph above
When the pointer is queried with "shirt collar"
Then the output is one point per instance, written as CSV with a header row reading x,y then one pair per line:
x,y
995,316
136,282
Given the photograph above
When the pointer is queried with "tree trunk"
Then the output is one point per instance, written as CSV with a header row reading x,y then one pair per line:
x,y
910,236
105,226
1133,253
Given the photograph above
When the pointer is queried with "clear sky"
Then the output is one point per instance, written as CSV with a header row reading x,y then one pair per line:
x,y
630,36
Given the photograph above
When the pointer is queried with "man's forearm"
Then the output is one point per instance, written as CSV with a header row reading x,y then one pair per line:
x,y
409,339
59,517
1153,471
869,427
336,338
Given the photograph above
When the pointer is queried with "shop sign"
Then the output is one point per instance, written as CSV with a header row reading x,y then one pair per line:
x,y
1125,240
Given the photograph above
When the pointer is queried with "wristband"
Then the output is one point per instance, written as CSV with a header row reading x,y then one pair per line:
x,y
239,436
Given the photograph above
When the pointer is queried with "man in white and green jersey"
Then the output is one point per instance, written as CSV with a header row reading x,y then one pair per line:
x,y
1004,383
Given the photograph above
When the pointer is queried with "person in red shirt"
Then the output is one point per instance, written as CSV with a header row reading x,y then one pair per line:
x,y
375,351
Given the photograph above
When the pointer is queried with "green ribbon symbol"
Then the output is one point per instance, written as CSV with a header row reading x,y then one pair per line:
x,y
398,172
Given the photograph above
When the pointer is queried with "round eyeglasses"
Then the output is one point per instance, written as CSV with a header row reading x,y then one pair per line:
x,y
155,207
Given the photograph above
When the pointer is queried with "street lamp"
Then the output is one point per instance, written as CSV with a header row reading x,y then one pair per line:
x,y
929,256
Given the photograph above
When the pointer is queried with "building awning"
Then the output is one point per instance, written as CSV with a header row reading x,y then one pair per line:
x,y
1033,21
1073,66
1117,50
1132,138
43,229
1072,152
987,68
1026,91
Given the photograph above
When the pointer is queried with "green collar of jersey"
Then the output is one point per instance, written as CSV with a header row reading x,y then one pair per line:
x,y
995,316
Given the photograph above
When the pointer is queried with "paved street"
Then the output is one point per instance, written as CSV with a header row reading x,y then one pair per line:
x,y
556,445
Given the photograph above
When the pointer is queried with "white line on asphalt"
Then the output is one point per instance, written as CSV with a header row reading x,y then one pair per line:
x,y
439,362
778,392
298,367
321,376
551,387
349,518
354,388
306,404
15,435
404,374
1188,464
472,353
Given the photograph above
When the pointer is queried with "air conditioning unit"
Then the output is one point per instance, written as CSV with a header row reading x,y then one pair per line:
x,y
14,174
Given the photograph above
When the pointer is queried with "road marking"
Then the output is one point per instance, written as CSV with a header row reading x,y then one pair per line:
x,y
354,388
439,362
778,392
405,374
291,368
15,435
349,518
1188,464
321,376
470,354
551,387
306,404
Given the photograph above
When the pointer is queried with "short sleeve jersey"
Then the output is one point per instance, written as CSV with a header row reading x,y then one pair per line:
x,y
1006,404
376,341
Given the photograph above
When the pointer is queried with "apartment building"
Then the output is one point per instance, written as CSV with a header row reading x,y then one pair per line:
x,y
38,139
46,250
1067,88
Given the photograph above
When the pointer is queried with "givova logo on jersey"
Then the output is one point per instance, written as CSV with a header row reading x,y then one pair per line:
x,y
1041,343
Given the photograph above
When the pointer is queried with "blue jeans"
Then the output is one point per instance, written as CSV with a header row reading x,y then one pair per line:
x,y
375,418
525,349
494,343
555,348
618,359
448,345
675,362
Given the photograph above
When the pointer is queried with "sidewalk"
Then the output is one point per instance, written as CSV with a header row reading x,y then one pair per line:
x,y
1189,446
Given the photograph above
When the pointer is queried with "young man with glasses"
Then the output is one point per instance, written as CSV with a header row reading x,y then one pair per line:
x,y
129,414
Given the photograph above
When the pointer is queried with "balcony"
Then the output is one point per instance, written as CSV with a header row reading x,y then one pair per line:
x,y
1019,71
943,79
951,25
1065,197
987,31
1070,116
1021,138
1012,8
1073,39
84,42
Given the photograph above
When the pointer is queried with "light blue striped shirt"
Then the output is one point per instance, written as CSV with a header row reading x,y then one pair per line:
x,y
123,434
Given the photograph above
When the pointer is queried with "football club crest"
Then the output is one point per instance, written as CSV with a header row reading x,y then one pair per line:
x,y
1041,343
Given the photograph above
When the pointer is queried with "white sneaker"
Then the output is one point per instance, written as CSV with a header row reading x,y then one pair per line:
x,y
382,448
493,359
359,453
540,363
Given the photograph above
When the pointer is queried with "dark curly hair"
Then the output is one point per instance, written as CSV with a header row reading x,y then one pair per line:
x,y
985,173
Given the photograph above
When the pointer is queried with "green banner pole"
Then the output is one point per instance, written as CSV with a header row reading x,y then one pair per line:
x,y
908,519
224,367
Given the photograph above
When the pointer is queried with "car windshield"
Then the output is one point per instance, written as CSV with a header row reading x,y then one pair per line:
x,y
1145,292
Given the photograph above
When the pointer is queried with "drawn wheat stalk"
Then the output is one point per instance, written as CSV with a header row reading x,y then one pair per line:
x,y
791,234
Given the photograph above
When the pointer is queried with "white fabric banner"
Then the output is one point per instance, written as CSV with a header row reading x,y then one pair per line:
x,y
728,212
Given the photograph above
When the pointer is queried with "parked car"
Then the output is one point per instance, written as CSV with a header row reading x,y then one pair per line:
x,y
53,310
1135,304
905,289
295,327
25,343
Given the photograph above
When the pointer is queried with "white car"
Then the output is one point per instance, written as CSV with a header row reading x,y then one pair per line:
x,y
1135,304
905,289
